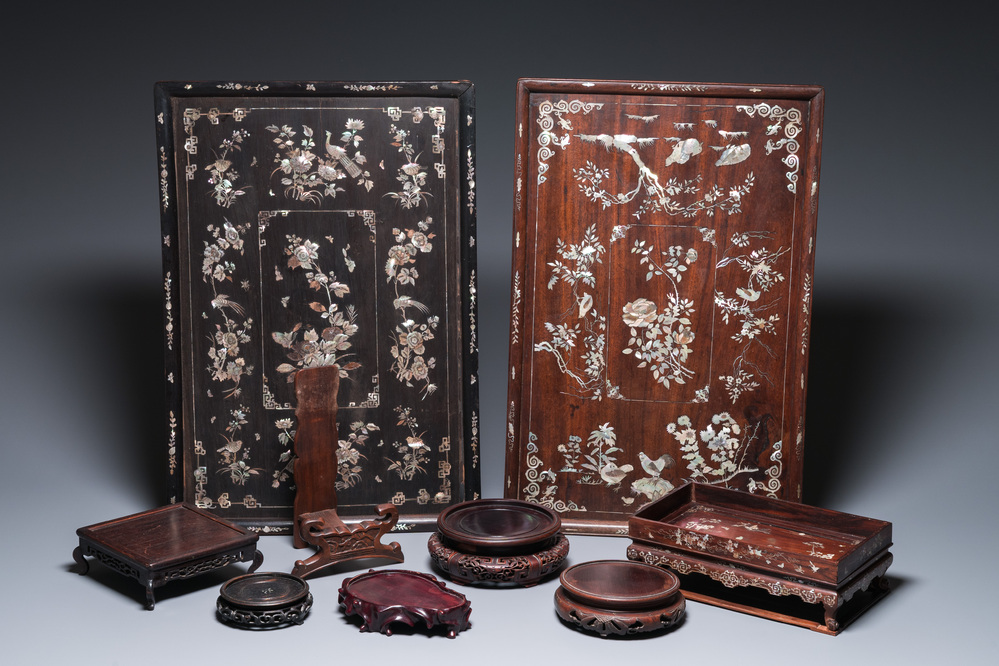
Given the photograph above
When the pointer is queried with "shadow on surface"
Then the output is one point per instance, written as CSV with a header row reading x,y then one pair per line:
x,y
352,567
131,587
788,608
857,344
119,356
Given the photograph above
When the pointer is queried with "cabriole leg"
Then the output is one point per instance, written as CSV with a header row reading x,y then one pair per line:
x,y
84,566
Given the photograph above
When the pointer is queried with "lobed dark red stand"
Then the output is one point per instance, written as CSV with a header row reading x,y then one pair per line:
x,y
381,598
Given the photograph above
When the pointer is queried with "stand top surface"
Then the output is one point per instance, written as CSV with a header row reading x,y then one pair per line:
x,y
167,536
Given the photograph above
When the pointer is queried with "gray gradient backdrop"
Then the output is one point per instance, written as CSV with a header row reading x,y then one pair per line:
x,y
904,365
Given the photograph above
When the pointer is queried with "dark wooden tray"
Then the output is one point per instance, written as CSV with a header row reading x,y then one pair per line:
x,y
498,527
319,223
746,541
662,275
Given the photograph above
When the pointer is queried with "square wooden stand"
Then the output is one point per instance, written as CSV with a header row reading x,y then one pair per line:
x,y
165,544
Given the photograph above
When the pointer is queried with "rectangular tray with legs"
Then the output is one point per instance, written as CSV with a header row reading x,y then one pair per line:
x,y
766,557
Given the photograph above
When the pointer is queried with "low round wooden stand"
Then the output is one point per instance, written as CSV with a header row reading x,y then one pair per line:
x,y
526,570
264,600
618,597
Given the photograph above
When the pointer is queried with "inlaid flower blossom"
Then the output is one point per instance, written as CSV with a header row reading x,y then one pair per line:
x,y
684,336
639,313
330,343
307,177
413,450
410,335
222,176
421,242
419,369
213,253
412,174
303,255
661,336
328,172
415,342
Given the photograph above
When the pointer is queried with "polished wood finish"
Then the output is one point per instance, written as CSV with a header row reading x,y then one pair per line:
x,y
316,447
620,584
619,597
316,223
789,550
264,600
316,442
338,542
524,569
165,544
661,293
382,598
498,527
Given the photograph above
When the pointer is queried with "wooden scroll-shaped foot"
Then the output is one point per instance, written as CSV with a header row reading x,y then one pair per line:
x,y
337,542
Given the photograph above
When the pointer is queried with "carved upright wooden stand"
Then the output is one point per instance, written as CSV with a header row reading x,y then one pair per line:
x,y
317,522
316,442
338,542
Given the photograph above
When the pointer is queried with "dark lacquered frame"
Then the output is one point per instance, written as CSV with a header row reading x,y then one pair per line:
x,y
177,444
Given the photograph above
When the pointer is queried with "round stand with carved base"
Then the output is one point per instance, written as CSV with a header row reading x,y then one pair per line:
x,y
524,569
612,597
264,600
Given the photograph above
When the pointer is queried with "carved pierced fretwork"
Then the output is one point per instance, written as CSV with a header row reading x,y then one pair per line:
x,y
622,623
202,567
523,570
832,600
270,618
113,562
338,542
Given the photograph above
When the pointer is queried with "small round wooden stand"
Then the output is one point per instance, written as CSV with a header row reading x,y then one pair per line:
x,y
619,597
264,600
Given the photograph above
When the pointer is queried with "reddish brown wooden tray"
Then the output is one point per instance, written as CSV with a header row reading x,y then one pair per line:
x,y
662,276
787,549
619,597
498,527
381,598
